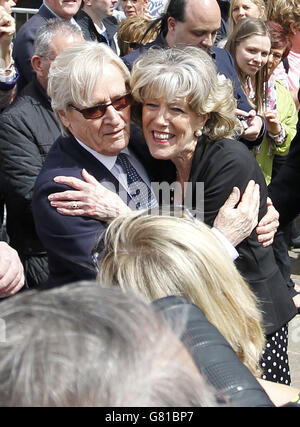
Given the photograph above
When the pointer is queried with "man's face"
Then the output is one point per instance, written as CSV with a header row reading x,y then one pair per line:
x,y
102,8
108,134
202,21
65,9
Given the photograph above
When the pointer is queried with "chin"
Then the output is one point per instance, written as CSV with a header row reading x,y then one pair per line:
x,y
160,154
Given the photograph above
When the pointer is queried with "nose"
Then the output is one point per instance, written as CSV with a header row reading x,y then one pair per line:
x,y
241,13
258,58
111,115
208,41
162,116
270,58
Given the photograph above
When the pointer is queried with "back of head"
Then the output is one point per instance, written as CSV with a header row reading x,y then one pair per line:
x,y
279,38
83,345
176,10
285,12
161,255
189,74
50,29
132,31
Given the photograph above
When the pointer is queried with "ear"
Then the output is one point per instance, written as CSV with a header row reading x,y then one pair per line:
x,y
63,116
262,11
203,119
293,28
36,62
171,24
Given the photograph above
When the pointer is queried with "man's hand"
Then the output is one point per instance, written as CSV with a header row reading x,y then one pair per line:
x,y
237,218
268,225
11,271
7,30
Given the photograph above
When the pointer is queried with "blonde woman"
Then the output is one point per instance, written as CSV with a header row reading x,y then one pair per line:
x,y
249,45
156,256
240,9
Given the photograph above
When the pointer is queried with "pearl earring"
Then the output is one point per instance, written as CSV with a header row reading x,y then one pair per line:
x,y
198,133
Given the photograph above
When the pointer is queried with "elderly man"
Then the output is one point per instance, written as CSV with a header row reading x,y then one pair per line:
x,y
89,89
28,128
23,45
97,22
196,23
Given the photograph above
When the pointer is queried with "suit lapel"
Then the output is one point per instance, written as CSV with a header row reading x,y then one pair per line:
x,y
93,166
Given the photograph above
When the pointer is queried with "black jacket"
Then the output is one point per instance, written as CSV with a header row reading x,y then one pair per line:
x,y
221,165
89,30
27,130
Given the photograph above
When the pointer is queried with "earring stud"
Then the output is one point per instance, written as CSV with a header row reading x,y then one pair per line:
x,y
198,133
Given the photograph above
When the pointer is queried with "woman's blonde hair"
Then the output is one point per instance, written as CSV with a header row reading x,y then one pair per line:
x,y
259,3
245,28
160,255
188,74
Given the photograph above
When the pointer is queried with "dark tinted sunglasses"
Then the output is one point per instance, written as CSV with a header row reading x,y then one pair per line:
x,y
99,110
133,45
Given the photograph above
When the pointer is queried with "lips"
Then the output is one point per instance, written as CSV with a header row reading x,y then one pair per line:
x,y
162,137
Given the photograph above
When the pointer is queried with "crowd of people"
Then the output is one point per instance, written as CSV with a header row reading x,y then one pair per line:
x,y
153,159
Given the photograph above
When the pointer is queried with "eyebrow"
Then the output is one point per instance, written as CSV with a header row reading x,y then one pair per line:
x,y
114,98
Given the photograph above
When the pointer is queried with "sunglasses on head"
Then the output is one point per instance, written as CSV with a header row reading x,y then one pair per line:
x,y
99,110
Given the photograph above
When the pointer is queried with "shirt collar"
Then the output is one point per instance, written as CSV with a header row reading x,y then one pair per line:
x,y
107,161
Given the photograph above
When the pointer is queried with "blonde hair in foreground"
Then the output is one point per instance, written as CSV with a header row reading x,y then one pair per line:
x,y
156,256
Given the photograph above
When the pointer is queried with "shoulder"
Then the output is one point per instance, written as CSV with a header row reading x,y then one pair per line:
x,y
34,22
22,107
111,23
227,157
283,92
131,57
221,54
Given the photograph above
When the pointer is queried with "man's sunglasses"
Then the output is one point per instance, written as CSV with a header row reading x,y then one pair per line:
x,y
99,110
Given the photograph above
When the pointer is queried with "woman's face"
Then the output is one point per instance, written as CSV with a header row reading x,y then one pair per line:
x,y
246,9
252,54
8,5
274,59
169,128
134,7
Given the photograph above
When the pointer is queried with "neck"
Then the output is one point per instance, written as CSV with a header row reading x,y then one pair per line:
x,y
295,48
169,40
94,17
